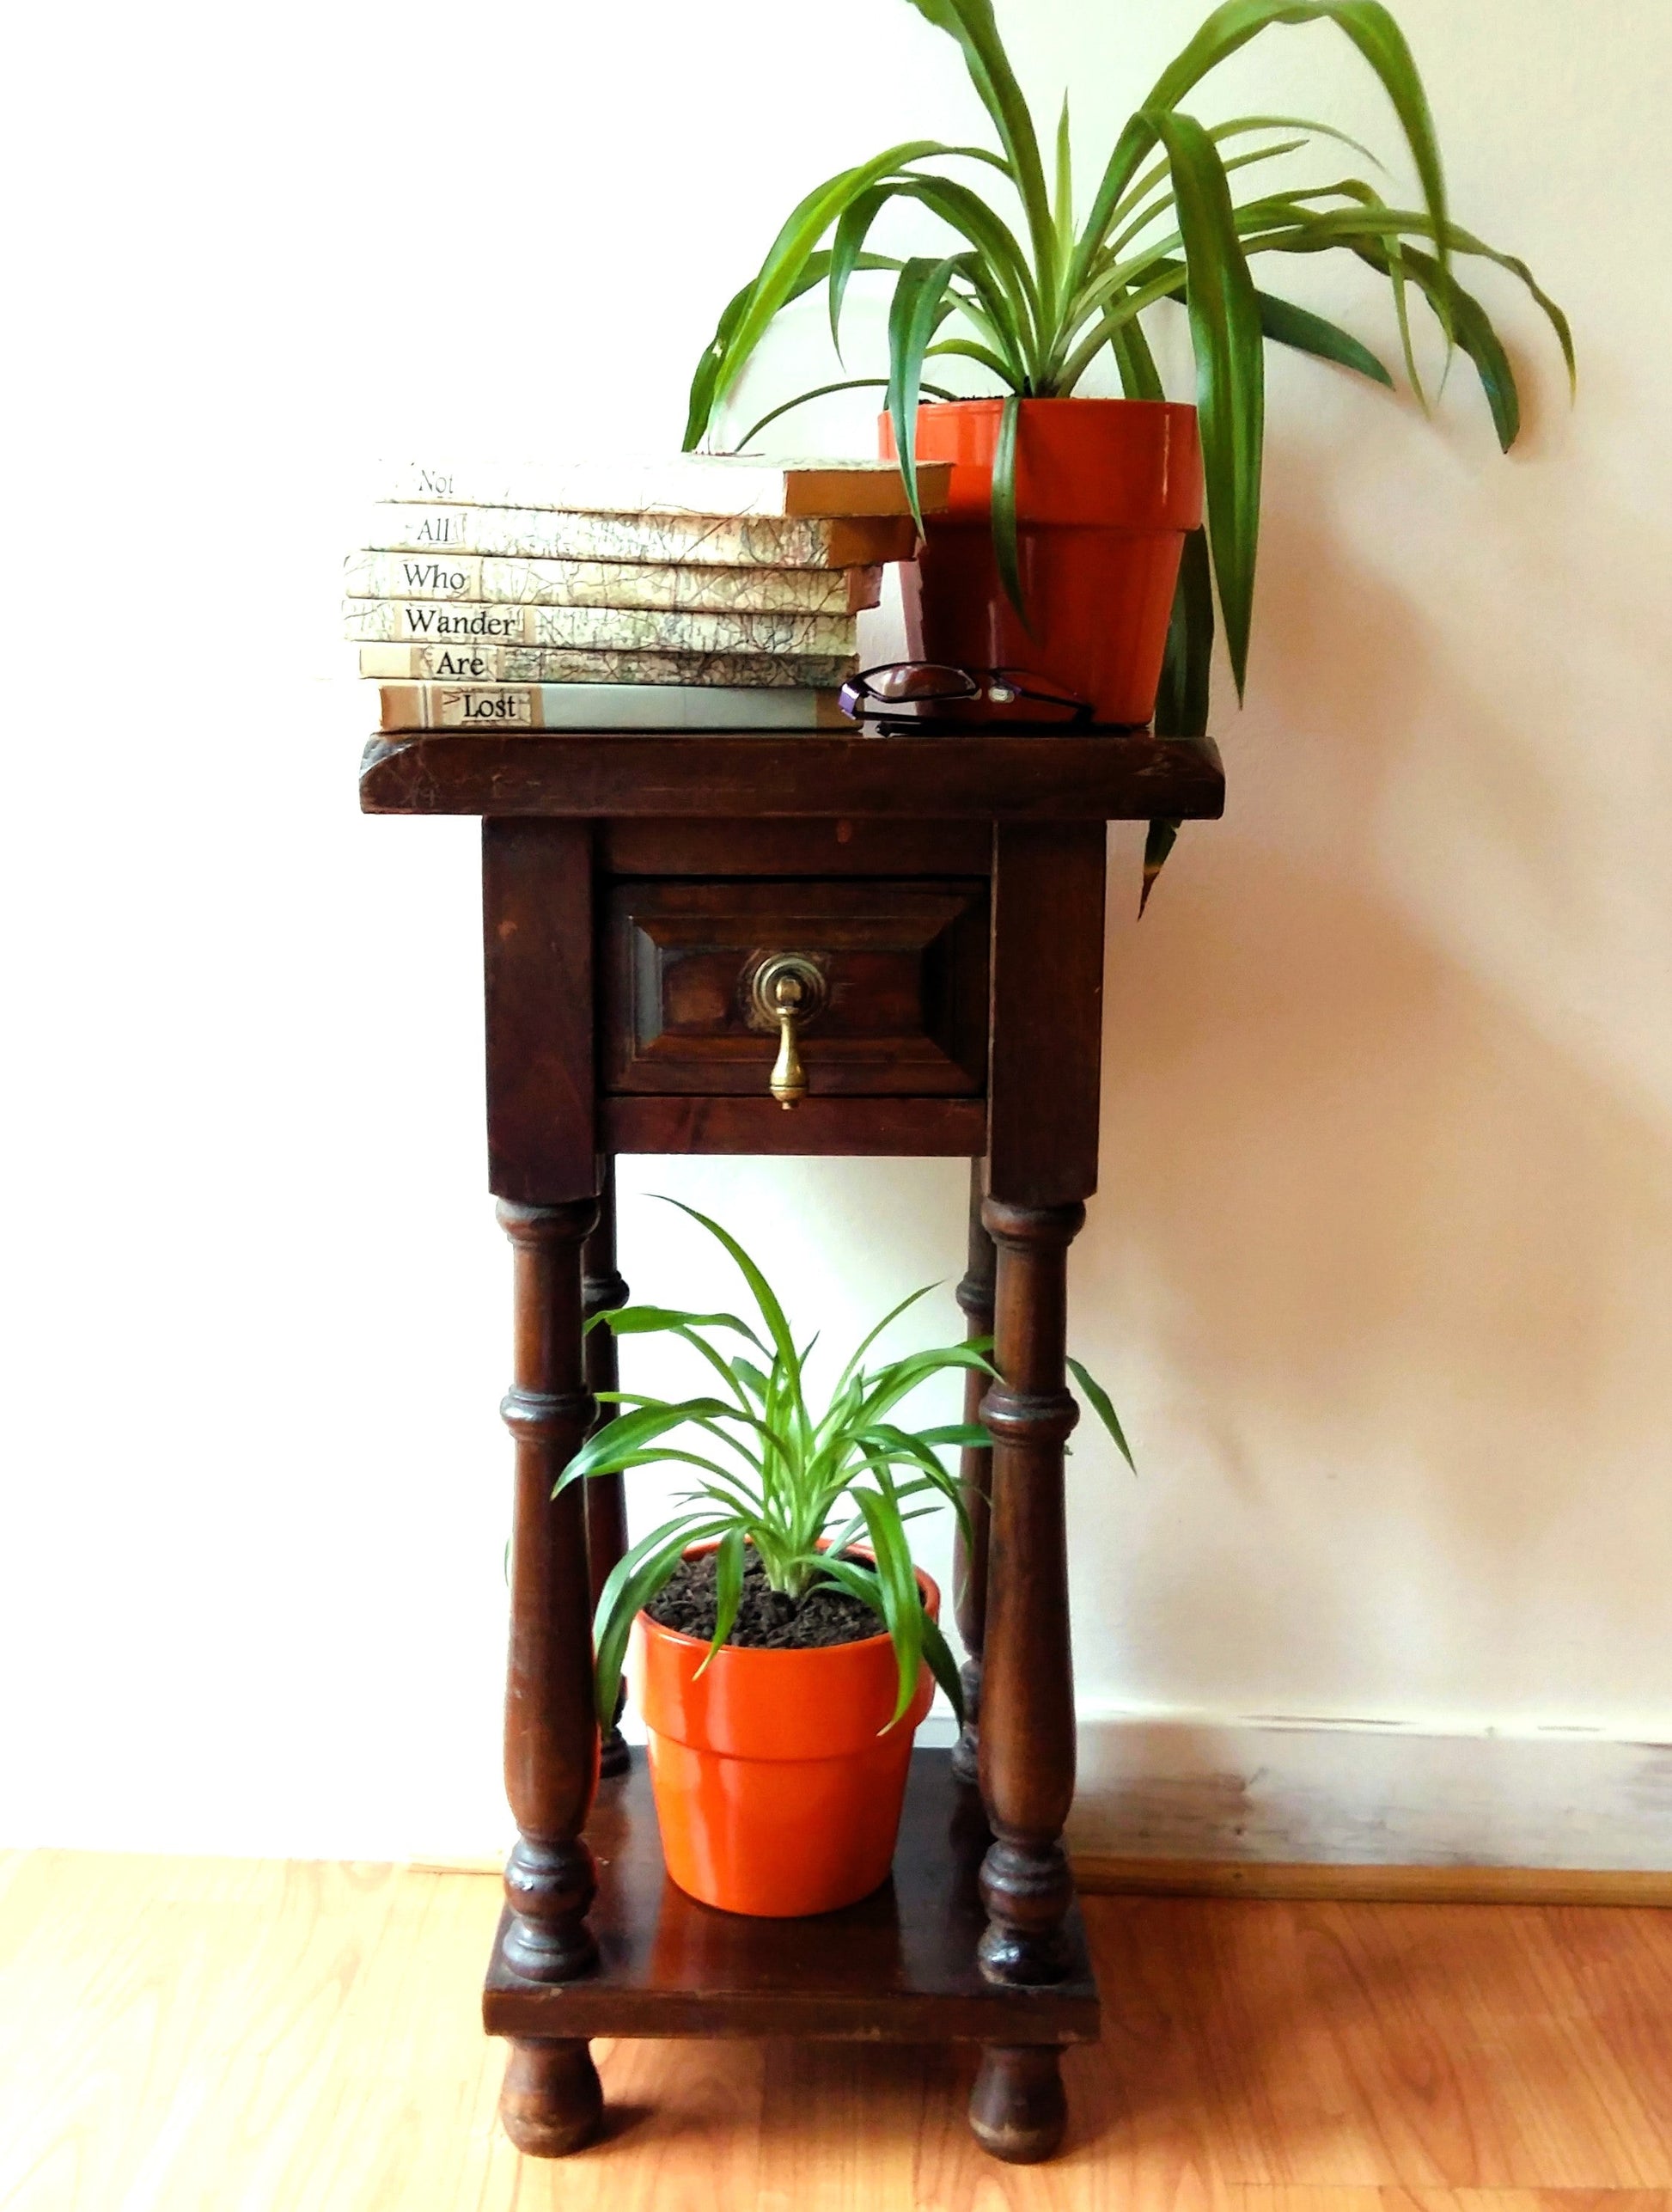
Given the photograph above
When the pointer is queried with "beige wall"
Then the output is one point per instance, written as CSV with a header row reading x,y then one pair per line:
x,y
1380,1269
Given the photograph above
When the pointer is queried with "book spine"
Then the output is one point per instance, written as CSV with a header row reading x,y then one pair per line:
x,y
714,541
487,577
739,491
692,484
477,664
594,629
508,708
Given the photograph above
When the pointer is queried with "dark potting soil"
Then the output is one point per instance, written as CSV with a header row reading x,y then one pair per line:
x,y
767,1620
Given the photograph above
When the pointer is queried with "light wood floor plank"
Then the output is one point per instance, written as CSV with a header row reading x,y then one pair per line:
x,y
227,2035
1325,2199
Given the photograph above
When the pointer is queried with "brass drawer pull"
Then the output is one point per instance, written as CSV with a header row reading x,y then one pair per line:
x,y
788,990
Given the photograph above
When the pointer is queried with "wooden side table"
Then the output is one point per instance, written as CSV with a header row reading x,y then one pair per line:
x,y
945,895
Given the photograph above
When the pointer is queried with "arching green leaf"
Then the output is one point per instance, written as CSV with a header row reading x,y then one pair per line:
x,y
1231,370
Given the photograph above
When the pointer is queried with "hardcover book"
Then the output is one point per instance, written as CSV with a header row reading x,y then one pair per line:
x,y
716,541
476,664
594,629
498,708
691,484
486,576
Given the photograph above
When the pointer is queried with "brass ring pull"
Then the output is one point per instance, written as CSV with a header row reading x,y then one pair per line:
x,y
787,991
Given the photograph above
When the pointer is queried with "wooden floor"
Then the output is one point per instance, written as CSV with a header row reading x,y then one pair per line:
x,y
226,2036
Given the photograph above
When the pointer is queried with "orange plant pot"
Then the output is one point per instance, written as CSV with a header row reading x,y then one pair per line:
x,y
1106,489
775,1792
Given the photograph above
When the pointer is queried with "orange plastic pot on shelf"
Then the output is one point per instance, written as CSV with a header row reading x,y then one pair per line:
x,y
1106,489
776,1792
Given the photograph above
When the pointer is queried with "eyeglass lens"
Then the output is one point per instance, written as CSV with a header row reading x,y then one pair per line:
x,y
909,680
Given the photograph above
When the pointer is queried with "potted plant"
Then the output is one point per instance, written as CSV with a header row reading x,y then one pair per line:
x,y
1069,545
785,1646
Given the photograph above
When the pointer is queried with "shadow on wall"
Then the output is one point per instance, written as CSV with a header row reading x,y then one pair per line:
x,y
1384,1252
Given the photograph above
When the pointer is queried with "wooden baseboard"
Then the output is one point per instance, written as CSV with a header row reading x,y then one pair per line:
x,y
1098,1875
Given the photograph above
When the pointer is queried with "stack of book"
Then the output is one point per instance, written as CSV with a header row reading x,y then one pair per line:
x,y
700,592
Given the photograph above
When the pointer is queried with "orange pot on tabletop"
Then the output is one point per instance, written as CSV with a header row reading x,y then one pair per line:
x,y
1106,489
775,1791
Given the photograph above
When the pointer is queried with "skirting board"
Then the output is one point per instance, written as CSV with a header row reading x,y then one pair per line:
x,y
1215,1808
1210,1807
1474,1885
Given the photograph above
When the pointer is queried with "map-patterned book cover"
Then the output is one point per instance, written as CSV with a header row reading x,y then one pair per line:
x,y
715,541
596,629
689,483
484,576
472,664
495,709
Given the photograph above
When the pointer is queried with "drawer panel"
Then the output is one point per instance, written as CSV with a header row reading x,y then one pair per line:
x,y
904,963
789,847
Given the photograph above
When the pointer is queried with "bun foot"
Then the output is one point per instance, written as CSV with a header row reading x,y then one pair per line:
x,y
553,2100
1017,2110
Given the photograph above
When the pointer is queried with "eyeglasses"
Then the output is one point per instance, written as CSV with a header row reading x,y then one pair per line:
x,y
870,694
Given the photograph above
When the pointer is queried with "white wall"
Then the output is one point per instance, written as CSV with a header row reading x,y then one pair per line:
x,y
1380,1270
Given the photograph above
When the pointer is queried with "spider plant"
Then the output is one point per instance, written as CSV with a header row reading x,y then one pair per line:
x,y
1035,293
796,1486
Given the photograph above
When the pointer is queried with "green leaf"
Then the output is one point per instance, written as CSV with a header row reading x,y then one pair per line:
x,y
1161,837
879,1453
727,1590
859,1581
646,1320
891,1384
1098,1398
943,1666
846,249
971,23
1230,370
1310,333
630,1432
871,1334
759,1289
700,404
1006,552
823,392
1373,218
1145,215
968,214
1140,379
785,264
1472,327
918,296
1003,276
968,350
1237,128
1065,189
632,1583
702,398
1367,23
1181,704
750,1378
897,1581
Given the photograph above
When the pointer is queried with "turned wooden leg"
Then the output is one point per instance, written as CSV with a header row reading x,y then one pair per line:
x,y
603,1292
551,1729
969,1556
1026,1742
553,2101
1016,2109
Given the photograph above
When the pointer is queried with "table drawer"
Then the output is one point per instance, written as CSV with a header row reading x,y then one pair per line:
x,y
904,970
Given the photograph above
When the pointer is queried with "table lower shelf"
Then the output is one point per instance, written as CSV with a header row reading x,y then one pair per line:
x,y
900,1967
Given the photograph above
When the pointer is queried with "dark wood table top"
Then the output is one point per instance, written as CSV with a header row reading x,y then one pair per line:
x,y
1105,776
900,1967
